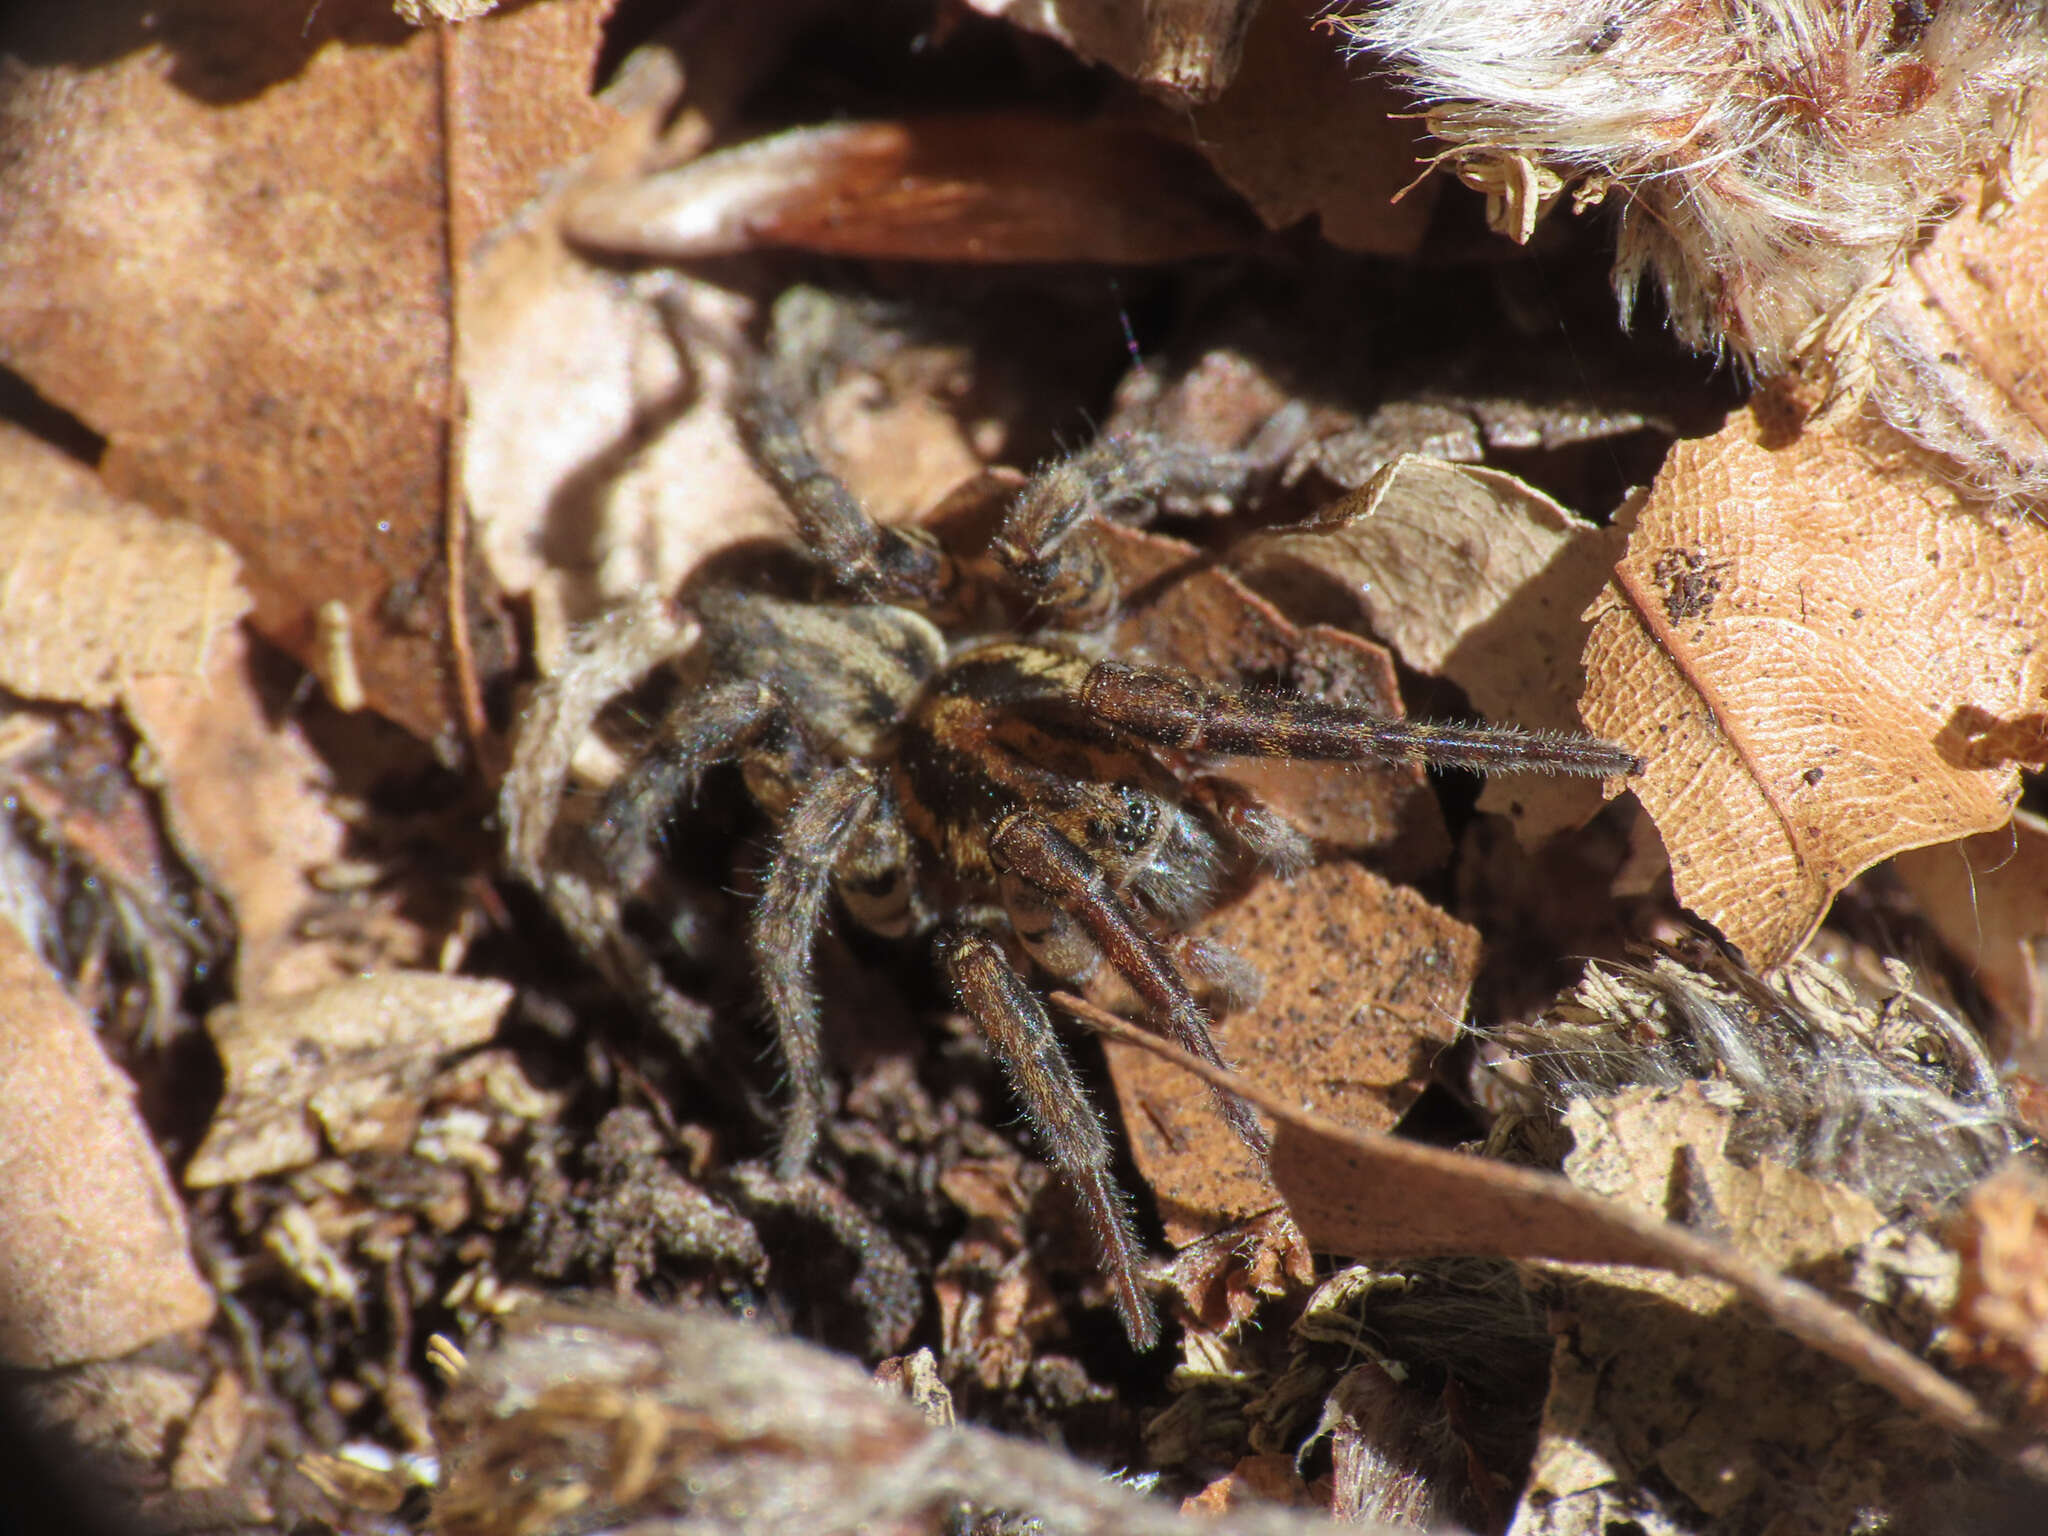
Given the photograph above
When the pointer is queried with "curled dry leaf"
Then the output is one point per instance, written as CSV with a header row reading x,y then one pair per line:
x,y
1820,650
1370,1196
347,1060
1987,896
98,591
1011,186
1300,131
1187,49
95,1262
2001,1310
1472,575
1365,983
598,460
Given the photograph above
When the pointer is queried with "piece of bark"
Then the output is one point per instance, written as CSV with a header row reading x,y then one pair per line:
x,y
95,1263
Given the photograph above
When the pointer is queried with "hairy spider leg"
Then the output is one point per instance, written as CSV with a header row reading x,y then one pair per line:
x,y
1019,1034
713,728
1131,478
1032,848
874,560
1175,710
822,826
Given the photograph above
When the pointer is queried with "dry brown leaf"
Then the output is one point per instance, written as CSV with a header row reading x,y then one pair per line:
x,y
1655,1149
1365,986
95,1262
1653,1386
348,1060
1011,186
244,798
2001,1311
1987,897
234,263
97,591
1814,644
1186,48
1369,1196
1472,575
1302,131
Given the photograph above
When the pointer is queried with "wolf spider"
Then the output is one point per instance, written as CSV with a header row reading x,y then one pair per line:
x,y
1011,790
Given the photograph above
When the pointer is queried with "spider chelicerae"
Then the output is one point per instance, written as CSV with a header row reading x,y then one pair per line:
x,y
1003,787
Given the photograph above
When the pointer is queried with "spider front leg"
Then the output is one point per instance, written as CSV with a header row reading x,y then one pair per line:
x,y
876,561
823,827
1173,710
1014,1025
1045,542
1031,848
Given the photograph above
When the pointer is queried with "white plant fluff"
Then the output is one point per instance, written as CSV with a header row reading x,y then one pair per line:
x,y
1770,161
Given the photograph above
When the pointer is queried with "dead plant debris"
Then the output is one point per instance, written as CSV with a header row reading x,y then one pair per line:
x,y
392,1144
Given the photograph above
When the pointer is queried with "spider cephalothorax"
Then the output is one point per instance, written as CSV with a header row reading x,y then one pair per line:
x,y
1011,792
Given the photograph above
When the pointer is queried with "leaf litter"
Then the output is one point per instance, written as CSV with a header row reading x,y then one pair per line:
x,y
1691,1266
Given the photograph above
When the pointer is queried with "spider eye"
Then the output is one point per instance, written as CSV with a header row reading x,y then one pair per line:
x,y
1134,829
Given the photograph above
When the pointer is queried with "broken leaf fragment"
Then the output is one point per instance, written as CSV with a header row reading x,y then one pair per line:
x,y
1814,644
2001,1313
347,1060
1472,575
97,591
1365,985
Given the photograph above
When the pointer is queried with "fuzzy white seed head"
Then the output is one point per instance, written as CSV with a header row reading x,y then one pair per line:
x,y
1768,160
